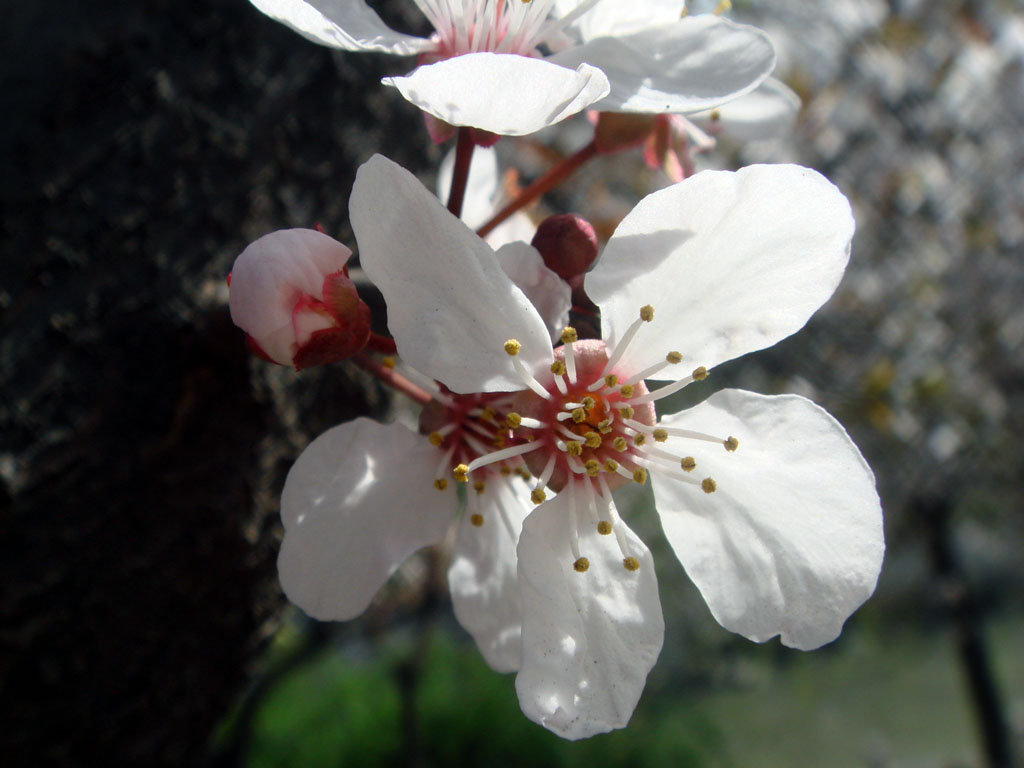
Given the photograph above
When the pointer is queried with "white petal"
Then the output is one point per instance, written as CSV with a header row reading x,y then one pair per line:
x,y
450,307
482,576
271,275
731,263
347,24
482,186
768,111
357,502
791,542
620,17
502,93
549,293
589,639
692,64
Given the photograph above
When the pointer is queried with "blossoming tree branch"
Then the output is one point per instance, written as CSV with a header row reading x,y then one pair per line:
x,y
540,359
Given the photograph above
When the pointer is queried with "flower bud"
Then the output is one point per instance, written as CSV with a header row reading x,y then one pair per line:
x,y
568,245
291,294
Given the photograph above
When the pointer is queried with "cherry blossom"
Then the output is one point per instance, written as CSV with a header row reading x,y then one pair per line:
x,y
512,67
766,501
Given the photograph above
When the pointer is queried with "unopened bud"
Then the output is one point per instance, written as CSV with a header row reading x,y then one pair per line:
x,y
291,295
567,243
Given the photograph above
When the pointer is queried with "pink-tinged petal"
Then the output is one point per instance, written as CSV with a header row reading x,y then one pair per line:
x,y
589,639
695,63
482,577
731,263
791,542
357,502
501,93
451,308
767,112
350,25
548,293
271,277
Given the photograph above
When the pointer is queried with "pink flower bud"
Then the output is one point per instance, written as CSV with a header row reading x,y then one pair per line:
x,y
290,293
568,245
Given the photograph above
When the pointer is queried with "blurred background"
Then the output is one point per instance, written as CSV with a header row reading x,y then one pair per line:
x,y
142,450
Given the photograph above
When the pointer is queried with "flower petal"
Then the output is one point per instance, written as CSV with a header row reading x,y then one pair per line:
x,y
589,639
482,576
482,186
768,111
357,502
791,541
619,17
549,293
731,263
450,306
501,93
694,63
271,275
350,25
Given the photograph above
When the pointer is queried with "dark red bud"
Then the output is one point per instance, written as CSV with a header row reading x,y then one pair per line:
x,y
341,301
567,243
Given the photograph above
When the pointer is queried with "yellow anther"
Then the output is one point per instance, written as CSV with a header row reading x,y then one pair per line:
x,y
640,475
513,420
574,448
479,486
435,438
476,519
579,415
631,564
715,115
688,463
708,485
731,444
581,565
523,473
588,402
387,362
626,411
459,472
593,466
499,440
619,443
626,390
722,7
489,414
639,438
537,495
673,357
610,465
593,440
660,435
569,335
440,483
647,313
512,347
506,471
699,374
604,527
611,380
558,368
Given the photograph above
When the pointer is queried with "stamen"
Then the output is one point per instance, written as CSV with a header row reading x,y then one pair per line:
x,y
528,379
604,528
620,444
513,420
574,448
731,444
505,453
476,519
646,316
558,370
459,472
548,470
569,336
479,486
640,475
671,358
708,485
537,495
631,563
592,440
529,423
688,463
699,374
440,483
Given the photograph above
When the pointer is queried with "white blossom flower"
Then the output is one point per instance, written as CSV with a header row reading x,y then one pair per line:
x,y
766,501
485,65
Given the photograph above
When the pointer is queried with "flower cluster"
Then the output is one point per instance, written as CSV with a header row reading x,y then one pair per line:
x,y
765,500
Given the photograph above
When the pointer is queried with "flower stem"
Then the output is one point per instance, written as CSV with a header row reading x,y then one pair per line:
x,y
460,174
555,175
393,379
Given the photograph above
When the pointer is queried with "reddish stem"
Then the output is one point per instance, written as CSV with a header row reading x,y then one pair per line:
x,y
460,174
555,175
391,378
382,344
